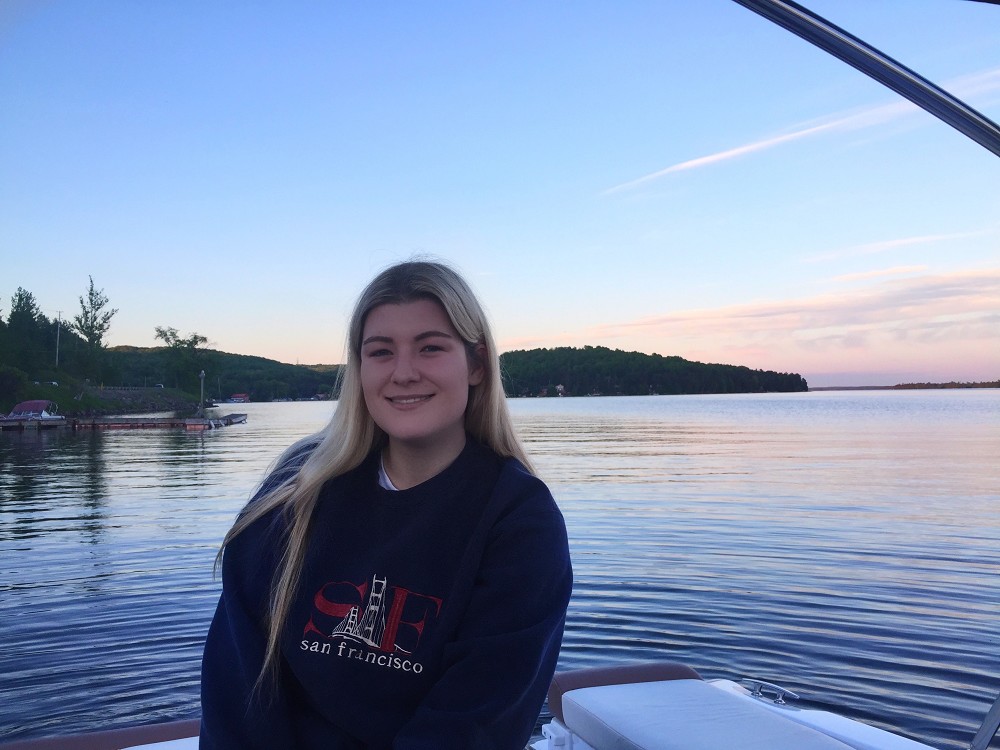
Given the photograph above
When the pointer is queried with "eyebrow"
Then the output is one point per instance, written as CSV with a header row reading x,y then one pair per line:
x,y
418,337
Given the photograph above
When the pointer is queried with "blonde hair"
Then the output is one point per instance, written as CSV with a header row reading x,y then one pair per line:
x,y
352,434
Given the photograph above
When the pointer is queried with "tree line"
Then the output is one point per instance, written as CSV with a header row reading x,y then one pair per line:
x,y
36,348
45,358
599,371
35,351
261,379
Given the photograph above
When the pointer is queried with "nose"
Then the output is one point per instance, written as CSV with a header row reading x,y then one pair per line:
x,y
404,370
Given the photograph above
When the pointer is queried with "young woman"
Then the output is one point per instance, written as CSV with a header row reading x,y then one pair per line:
x,y
401,578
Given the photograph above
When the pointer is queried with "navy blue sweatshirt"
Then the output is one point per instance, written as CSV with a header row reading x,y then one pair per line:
x,y
426,618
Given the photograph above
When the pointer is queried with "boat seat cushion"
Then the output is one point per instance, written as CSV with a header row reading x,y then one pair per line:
x,y
682,715
649,671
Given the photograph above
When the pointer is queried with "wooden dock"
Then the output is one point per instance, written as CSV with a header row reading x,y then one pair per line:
x,y
148,423
125,423
8,423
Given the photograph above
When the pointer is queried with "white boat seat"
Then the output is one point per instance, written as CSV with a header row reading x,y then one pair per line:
x,y
647,671
685,714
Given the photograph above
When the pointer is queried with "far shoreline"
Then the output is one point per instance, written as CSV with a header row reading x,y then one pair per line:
x,y
906,387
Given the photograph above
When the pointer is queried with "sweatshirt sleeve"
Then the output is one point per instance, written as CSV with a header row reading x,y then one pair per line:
x,y
234,715
498,668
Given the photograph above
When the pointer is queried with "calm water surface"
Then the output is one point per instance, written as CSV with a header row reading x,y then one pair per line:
x,y
843,544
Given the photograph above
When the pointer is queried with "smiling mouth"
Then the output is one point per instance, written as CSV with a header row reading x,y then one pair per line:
x,y
408,400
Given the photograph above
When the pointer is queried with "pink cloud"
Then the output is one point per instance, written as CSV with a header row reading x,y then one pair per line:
x,y
935,323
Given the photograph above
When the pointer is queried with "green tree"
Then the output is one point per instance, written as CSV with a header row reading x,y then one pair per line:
x,y
172,338
13,383
185,357
4,343
25,340
93,323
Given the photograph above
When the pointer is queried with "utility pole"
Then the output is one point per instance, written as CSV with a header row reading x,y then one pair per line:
x,y
58,328
201,404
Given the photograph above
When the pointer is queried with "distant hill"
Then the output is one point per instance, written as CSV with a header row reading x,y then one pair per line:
x,y
950,385
597,370
164,378
592,370
225,374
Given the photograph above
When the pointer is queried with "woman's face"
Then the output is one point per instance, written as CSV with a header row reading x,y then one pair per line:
x,y
415,374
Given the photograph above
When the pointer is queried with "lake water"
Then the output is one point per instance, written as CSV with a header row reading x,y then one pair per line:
x,y
843,544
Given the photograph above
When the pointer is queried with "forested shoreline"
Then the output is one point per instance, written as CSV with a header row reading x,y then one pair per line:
x,y
600,371
589,371
67,361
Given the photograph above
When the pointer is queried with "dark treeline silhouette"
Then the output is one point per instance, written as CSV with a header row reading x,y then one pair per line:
x,y
952,384
39,353
33,347
67,359
225,374
45,358
597,370
527,373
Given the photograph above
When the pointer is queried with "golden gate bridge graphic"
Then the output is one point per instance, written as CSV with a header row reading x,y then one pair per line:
x,y
370,626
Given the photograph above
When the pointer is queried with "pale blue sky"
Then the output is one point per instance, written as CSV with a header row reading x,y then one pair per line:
x,y
673,176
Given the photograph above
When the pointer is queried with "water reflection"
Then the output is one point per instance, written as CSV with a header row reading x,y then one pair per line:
x,y
52,482
845,545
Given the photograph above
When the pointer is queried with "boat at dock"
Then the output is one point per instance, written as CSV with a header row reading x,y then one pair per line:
x,y
35,414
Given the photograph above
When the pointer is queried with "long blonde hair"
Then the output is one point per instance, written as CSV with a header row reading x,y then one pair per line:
x,y
352,434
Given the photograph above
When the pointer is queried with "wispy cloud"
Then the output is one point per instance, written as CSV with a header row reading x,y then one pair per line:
x,y
900,300
723,156
895,271
977,84
873,248
942,321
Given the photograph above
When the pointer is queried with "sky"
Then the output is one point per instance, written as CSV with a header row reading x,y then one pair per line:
x,y
672,177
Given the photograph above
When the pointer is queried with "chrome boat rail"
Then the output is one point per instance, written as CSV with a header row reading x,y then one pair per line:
x,y
860,55
989,728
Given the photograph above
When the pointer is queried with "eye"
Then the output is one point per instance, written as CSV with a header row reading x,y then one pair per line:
x,y
432,348
377,353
